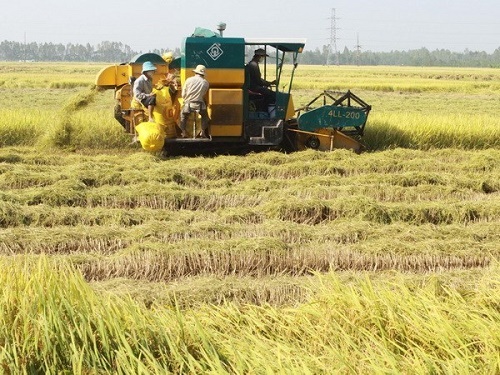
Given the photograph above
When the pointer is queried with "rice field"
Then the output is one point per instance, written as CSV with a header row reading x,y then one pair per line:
x,y
120,261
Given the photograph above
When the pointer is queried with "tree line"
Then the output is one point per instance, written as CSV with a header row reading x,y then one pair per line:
x,y
118,52
416,57
104,52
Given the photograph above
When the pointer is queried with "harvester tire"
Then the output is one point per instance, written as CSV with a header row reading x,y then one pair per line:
x,y
313,142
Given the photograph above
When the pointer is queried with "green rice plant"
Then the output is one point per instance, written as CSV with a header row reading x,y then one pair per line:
x,y
67,84
54,322
458,131
118,261
91,132
22,127
47,75
429,98
354,329
396,79
77,130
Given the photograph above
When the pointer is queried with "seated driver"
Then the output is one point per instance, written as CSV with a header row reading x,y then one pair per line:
x,y
254,78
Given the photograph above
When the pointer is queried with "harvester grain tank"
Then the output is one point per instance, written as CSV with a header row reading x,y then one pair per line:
x,y
239,118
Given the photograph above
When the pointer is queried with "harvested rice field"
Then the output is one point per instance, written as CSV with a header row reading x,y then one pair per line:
x,y
116,260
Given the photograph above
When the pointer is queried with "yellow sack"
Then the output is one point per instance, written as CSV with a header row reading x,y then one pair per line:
x,y
151,135
164,112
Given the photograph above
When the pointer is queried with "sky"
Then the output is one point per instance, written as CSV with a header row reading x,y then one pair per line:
x,y
374,25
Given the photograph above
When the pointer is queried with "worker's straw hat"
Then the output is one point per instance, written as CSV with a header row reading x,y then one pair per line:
x,y
200,69
148,66
260,52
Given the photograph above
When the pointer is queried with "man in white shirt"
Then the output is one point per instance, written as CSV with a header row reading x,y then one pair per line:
x,y
193,93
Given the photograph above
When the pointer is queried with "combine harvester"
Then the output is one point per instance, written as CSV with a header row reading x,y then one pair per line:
x,y
238,119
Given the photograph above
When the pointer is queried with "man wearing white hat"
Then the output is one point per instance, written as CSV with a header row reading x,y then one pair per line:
x,y
143,87
194,91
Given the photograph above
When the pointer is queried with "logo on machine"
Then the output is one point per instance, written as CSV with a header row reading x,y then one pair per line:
x,y
215,51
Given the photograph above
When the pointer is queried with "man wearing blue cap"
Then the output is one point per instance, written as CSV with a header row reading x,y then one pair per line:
x,y
143,87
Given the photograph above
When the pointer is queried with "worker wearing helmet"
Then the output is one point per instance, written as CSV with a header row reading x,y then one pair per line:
x,y
254,78
143,87
194,91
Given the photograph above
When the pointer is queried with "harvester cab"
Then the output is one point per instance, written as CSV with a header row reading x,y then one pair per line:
x,y
239,118
267,124
238,115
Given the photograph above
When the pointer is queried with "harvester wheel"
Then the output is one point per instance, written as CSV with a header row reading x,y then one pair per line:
x,y
313,142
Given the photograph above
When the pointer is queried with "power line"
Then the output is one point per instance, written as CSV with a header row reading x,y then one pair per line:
x,y
358,49
333,39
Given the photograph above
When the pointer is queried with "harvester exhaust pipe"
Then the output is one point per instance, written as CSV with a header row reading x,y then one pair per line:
x,y
221,27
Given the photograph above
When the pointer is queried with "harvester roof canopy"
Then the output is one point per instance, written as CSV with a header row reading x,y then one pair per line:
x,y
285,45
143,57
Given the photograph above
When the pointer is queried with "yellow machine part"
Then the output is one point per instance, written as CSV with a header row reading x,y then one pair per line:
x,y
124,96
193,125
115,76
290,113
329,139
225,109
225,78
